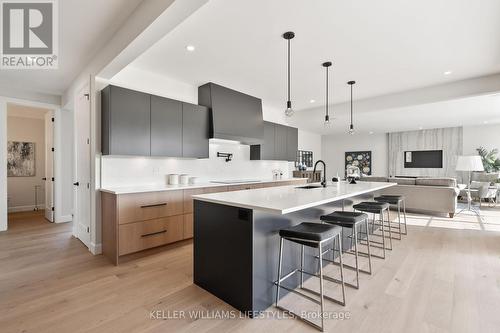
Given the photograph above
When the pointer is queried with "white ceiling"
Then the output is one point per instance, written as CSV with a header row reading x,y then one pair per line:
x,y
84,27
386,46
472,111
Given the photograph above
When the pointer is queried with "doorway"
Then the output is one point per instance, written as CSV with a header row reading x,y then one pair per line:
x,y
30,164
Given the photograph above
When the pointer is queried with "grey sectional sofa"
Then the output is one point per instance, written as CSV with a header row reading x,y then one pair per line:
x,y
434,195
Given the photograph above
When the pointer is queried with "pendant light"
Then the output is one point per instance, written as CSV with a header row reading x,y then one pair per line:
x,y
288,111
351,126
327,115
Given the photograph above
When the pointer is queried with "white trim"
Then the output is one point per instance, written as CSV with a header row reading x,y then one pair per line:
x,y
64,219
3,164
27,208
95,248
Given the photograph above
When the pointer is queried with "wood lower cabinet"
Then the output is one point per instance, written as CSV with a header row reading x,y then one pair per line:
x,y
143,235
138,221
188,226
146,206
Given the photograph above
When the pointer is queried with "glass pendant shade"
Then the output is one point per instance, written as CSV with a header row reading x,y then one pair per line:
x,y
351,129
289,111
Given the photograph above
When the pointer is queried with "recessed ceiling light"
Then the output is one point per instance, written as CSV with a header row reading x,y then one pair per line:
x,y
371,132
190,48
447,72
420,128
485,122
312,101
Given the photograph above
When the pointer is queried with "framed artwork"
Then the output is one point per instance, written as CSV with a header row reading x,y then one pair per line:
x,y
304,157
360,159
20,159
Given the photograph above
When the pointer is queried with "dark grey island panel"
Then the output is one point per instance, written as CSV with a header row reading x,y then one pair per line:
x,y
223,252
236,253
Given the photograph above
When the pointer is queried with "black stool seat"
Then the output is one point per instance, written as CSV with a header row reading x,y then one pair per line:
x,y
312,232
344,219
371,207
393,200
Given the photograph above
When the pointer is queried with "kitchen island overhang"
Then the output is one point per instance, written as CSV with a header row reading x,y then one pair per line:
x,y
236,239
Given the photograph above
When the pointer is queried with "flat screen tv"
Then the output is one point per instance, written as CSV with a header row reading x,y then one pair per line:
x,y
423,159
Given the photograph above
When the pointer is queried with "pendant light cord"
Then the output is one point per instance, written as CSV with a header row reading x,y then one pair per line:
x,y
327,91
351,104
289,70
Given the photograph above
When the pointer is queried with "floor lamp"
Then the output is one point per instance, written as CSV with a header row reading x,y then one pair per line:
x,y
469,164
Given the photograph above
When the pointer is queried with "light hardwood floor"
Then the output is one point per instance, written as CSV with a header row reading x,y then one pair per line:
x,y
443,277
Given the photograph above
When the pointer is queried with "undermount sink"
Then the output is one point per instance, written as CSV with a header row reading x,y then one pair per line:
x,y
308,187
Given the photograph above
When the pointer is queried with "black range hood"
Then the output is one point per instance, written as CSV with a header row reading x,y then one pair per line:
x,y
233,115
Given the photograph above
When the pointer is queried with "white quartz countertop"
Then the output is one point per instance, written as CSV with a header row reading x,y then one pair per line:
x,y
159,188
287,199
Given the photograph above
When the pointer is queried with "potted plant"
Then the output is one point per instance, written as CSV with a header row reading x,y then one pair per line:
x,y
491,164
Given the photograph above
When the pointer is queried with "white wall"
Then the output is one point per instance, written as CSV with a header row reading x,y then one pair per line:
x,y
449,140
155,84
312,142
123,171
20,190
487,136
333,149
334,146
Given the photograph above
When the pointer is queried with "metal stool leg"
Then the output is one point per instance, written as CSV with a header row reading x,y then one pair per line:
x,y
341,269
279,272
383,234
389,224
368,246
356,255
301,266
399,219
404,212
321,286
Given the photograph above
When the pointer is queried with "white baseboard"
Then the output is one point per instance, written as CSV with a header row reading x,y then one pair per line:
x,y
64,219
25,208
95,248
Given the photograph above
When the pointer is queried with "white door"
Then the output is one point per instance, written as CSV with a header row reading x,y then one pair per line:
x,y
81,226
49,166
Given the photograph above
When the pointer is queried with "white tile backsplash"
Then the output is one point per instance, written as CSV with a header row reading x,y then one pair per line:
x,y
120,171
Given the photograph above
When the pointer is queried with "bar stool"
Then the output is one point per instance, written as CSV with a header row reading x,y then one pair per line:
x,y
350,220
398,200
313,235
377,208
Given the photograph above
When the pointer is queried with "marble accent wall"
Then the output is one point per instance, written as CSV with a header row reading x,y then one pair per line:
x,y
450,140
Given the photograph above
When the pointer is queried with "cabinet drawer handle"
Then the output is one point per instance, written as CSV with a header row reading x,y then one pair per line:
x,y
154,233
155,205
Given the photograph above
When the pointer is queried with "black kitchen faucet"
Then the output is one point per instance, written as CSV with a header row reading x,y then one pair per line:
x,y
323,181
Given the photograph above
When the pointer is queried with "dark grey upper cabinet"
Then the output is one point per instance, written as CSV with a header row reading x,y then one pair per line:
x,y
292,143
125,122
265,151
166,127
280,143
195,128
235,115
135,123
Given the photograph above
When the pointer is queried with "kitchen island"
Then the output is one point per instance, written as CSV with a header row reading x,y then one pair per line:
x,y
236,239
